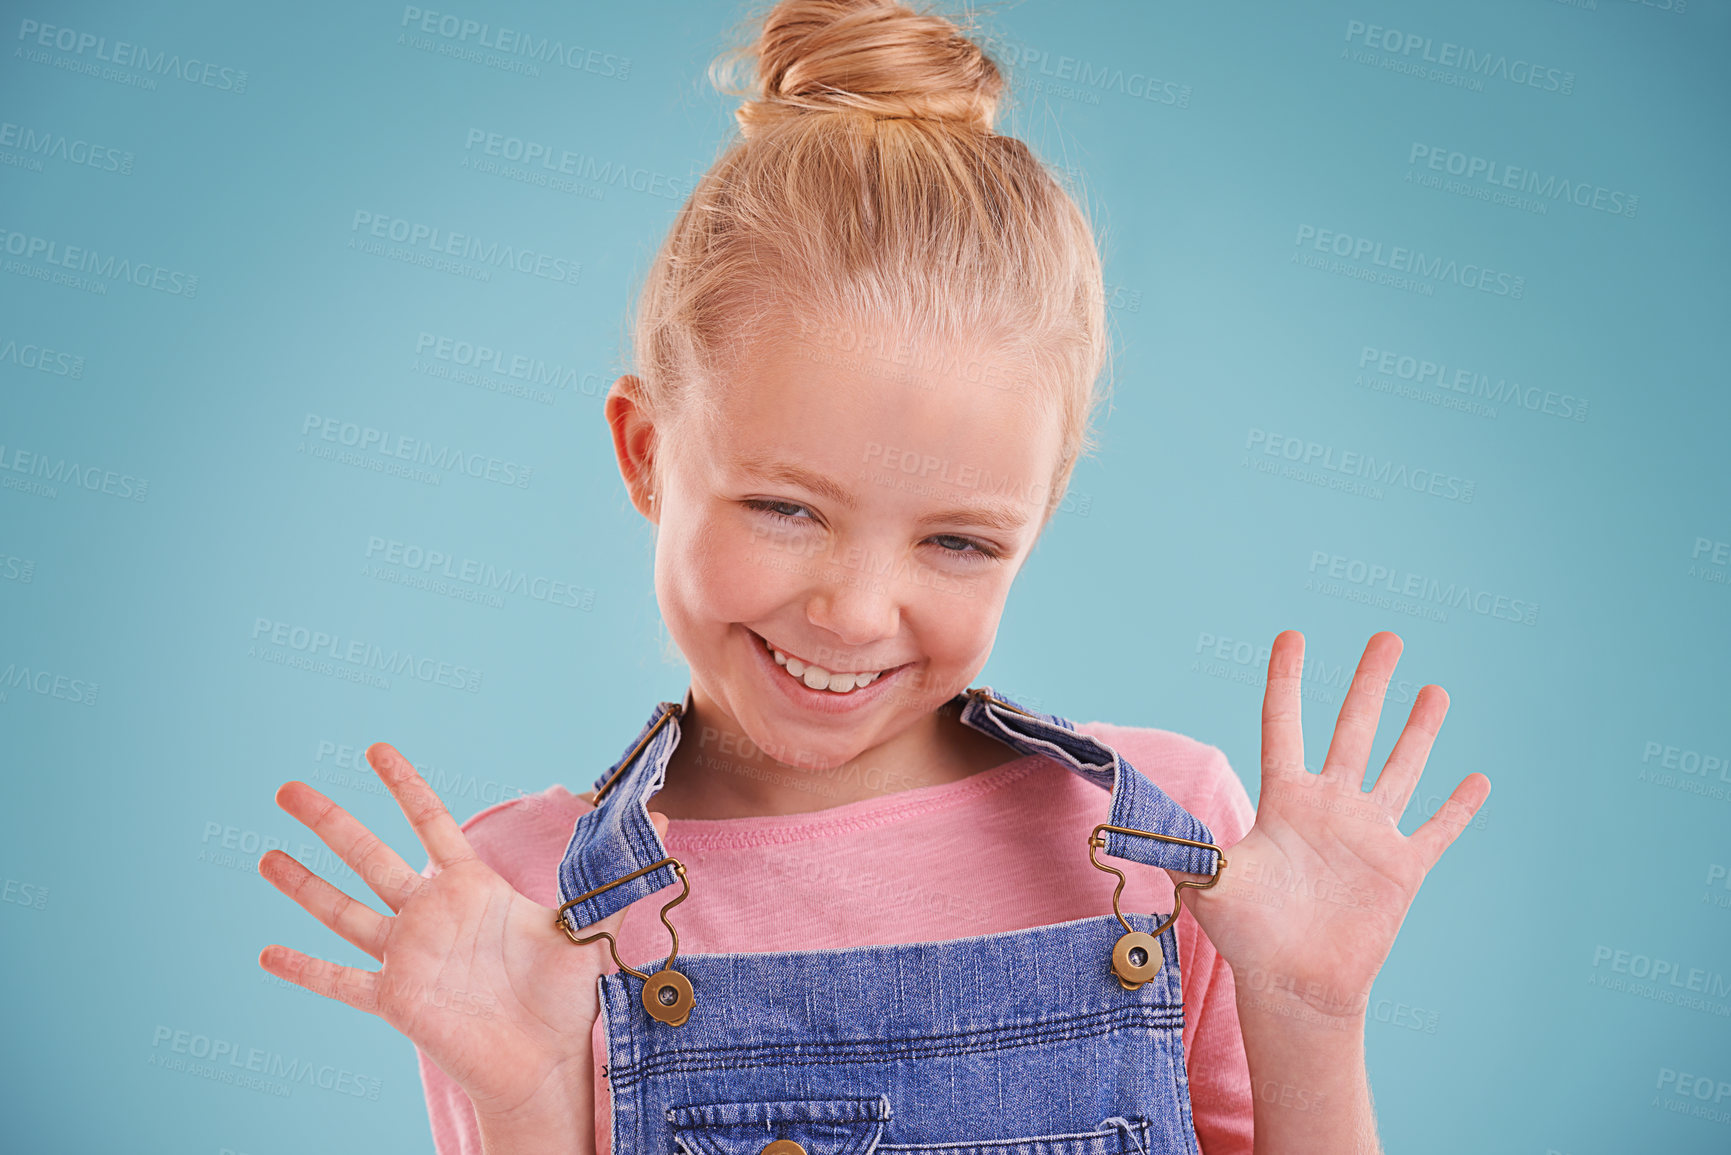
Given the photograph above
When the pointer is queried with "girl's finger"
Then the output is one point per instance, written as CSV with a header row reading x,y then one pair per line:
x,y
358,923
380,868
1400,774
1282,728
357,988
433,824
1443,827
1355,730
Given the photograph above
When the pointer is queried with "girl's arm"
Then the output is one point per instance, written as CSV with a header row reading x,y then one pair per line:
x,y
1309,905
1309,1082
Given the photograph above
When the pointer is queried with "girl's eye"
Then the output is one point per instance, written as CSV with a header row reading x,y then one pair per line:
x,y
772,507
968,546
952,544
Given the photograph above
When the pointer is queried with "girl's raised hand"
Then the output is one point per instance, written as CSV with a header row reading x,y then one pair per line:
x,y
477,975
1311,899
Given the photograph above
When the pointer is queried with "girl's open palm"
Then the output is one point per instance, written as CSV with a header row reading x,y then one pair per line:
x,y
477,975
1314,893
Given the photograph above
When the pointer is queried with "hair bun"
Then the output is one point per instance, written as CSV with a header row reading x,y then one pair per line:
x,y
876,57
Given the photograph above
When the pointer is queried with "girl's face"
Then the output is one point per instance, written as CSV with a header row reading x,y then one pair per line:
x,y
858,514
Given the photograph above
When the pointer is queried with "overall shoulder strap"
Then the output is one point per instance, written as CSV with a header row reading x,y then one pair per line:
x,y
616,839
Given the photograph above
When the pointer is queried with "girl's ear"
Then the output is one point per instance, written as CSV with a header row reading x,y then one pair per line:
x,y
633,442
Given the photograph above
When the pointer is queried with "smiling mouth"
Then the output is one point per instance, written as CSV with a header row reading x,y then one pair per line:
x,y
818,678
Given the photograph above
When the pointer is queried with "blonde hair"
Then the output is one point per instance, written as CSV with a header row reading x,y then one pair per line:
x,y
867,186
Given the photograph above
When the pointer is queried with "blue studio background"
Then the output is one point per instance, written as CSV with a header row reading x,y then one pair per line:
x,y
1481,244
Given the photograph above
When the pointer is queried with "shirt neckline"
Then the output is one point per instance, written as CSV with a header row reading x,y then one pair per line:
x,y
860,814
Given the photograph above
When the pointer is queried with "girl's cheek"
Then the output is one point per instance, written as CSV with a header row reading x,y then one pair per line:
x,y
959,610
742,567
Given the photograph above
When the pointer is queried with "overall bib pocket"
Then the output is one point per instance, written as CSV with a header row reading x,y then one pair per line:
x,y
854,1127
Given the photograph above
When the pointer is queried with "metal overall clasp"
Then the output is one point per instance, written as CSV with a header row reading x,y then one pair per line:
x,y
1137,957
667,994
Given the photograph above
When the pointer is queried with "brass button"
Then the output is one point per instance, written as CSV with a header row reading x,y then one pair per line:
x,y
668,996
783,1147
1137,958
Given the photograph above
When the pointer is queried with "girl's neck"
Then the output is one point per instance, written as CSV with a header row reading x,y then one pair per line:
x,y
715,772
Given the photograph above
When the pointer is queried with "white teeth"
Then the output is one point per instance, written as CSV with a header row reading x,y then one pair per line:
x,y
821,679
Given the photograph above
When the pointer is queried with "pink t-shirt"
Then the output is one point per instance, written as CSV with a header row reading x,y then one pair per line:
x,y
1003,849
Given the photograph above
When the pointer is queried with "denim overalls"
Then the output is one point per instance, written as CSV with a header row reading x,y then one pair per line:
x,y
1053,1040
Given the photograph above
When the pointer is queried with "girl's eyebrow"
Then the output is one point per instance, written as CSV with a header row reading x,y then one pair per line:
x,y
1008,516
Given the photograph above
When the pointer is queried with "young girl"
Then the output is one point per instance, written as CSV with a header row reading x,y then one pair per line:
x,y
836,534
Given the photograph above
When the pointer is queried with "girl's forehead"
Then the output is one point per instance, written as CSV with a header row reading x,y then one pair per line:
x,y
803,383
849,436
850,414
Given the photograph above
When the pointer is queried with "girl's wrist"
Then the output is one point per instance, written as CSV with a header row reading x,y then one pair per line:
x,y
1309,1085
1277,1014
1265,994
559,1119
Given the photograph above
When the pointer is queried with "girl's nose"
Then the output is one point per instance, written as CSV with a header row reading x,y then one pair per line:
x,y
854,606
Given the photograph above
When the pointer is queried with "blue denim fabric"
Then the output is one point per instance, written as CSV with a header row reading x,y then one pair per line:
x,y
1016,1043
